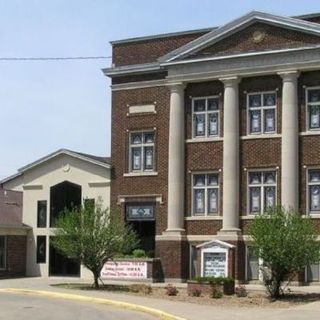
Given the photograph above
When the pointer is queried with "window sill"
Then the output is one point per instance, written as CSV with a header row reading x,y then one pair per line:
x,y
315,214
203,218
249,216
261,136
140,174
212,139
310,133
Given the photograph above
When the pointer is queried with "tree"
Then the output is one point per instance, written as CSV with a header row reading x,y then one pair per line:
x,y
286,242
92,235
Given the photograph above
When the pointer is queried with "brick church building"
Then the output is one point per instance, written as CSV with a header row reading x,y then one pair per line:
x,y
209,128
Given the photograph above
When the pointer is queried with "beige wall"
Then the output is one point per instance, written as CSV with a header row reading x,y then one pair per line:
x,y
36,182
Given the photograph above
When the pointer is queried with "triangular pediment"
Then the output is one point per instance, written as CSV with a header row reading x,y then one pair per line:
x,y
254,32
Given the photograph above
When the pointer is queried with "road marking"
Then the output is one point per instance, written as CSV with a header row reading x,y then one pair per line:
x,y
131,306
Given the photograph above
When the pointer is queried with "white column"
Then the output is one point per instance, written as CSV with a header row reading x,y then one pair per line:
x,y
176,159
231,156
290,142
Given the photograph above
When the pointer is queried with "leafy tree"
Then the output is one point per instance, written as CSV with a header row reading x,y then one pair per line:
x,y
286,242
92,235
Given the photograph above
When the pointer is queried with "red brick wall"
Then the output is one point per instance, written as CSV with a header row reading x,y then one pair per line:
x,y
149,50
16,257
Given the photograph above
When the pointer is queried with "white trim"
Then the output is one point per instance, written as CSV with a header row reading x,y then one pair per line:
x,y
310,133
138,85
261,136
155,197
218,242
197,218
141,174
211,139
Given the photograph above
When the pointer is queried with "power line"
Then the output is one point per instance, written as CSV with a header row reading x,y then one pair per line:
x,y
52,58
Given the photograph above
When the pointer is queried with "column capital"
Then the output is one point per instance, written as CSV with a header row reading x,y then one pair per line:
x,y
176,86
291,75
230,81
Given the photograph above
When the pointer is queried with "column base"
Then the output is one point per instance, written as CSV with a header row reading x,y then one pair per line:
x,y
229,234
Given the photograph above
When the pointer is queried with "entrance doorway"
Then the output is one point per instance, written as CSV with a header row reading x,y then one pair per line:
x,y
141,217
65,195
60,265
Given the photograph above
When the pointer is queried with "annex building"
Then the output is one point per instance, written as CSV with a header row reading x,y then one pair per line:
x,y
209,128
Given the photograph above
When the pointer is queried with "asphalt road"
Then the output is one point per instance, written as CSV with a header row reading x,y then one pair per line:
x,y
17,307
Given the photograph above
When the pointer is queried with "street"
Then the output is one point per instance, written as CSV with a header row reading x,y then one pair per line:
x,y
19,306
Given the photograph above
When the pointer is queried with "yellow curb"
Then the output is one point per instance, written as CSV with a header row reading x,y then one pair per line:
x,y
134,307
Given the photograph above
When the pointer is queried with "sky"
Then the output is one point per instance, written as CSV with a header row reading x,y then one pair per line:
x,y
48,105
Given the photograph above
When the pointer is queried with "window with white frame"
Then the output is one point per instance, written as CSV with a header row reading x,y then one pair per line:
x,y
314,190
205,194
141,151
3,252
313,108
205,117
261,112
261,191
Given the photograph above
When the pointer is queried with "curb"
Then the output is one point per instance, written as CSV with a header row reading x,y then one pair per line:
x,y
130,306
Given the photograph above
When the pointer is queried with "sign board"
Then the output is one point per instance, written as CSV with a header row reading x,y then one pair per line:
x,y
140,212
214,264
124,270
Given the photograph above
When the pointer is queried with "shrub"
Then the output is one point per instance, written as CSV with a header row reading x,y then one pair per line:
x,y
196,292
241,291
140,288
139,253
216,293
171,290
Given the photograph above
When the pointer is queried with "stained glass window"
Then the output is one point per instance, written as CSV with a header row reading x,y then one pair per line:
x,y
206,117
262,113
314,190
205,194
313,108
141,151
262,191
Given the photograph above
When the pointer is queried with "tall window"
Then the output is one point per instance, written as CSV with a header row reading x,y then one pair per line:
x,y
261,191
3,252
313,108
42,214
314,190
141,151
205,116
41,249
261,112
205,190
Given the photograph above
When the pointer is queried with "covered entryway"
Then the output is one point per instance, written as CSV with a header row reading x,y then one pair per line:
x,y
142,219
65,195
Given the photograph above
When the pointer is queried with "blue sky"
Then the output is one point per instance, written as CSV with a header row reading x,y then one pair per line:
x,y
50,105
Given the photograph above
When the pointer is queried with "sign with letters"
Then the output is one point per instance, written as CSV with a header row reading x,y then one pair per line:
x,y
124,270
214,264
140,212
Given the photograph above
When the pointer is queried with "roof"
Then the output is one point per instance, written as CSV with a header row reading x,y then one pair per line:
x,y
98,160
216,242
11,209
205,30
238,24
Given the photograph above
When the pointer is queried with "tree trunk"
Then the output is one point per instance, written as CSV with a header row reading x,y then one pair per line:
x,y
96,281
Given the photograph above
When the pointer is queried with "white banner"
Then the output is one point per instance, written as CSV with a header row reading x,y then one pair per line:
x,y
124,270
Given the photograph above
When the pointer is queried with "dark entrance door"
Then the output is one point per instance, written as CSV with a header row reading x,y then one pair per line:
x,y
142,219
60,265
65,195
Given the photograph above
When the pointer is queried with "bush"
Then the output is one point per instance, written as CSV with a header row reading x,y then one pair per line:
x,y
216,293
214,280
140,288
171,290
139,253
241,291
196,292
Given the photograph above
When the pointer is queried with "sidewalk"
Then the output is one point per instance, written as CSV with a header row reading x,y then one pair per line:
x,y
180,309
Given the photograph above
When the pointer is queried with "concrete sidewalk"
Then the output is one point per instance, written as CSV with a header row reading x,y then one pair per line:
x,y
180,309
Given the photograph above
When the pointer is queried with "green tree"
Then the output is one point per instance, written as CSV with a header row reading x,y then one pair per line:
x,y
286,242
93,235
